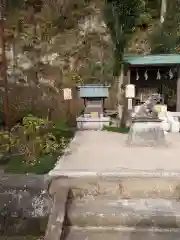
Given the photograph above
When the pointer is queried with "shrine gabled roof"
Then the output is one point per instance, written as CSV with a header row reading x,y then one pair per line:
x,y
162,59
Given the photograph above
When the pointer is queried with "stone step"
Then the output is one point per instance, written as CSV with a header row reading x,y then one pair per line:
x,y
122,186
132,212
122,233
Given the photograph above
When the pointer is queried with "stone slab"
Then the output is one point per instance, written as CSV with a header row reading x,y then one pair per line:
x,y
122,233
125,212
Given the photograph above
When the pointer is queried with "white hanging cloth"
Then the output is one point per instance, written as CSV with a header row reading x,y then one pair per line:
x,y
146,75
141,97
171,74
158,75
163,10
137,75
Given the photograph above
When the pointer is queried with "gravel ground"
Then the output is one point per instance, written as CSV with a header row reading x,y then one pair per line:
x,y
98,151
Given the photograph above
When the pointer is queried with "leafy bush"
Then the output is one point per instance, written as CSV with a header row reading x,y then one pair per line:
x,y
32,138
36,139
35,145
61,129
7,141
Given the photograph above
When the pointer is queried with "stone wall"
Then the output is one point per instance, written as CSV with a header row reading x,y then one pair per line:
x,y
24,205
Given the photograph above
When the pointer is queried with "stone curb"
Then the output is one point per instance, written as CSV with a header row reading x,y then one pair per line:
x,y
57,216
116,174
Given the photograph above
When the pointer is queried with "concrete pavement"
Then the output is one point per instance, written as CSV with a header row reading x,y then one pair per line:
x,y
98,152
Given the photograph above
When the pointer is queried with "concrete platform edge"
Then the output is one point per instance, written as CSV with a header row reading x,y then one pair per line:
x,y
116,174
126,229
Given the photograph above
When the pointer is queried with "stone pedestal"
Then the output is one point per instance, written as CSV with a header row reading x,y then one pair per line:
x,y
146,132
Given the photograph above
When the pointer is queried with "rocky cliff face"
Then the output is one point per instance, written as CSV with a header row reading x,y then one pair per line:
x,y
71,39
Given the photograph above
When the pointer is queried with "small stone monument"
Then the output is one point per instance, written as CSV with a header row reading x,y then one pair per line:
x,y
146,129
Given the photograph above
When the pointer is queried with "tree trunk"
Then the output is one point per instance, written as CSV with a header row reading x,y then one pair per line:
x,y
14,58
125,113
120,94
4,64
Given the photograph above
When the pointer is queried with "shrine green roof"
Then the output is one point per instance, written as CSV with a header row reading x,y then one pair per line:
x,y
162,59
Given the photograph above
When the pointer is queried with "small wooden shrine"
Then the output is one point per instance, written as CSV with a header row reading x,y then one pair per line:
x,y
155,74
94,96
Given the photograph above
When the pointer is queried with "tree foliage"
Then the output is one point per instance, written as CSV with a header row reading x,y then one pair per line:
x,y
121,17
11,4
153,7
166,37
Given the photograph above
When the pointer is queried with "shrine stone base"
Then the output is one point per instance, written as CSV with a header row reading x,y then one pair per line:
x,y
147,133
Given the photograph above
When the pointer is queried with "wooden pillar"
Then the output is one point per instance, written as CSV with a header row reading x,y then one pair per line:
x,y
178,91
